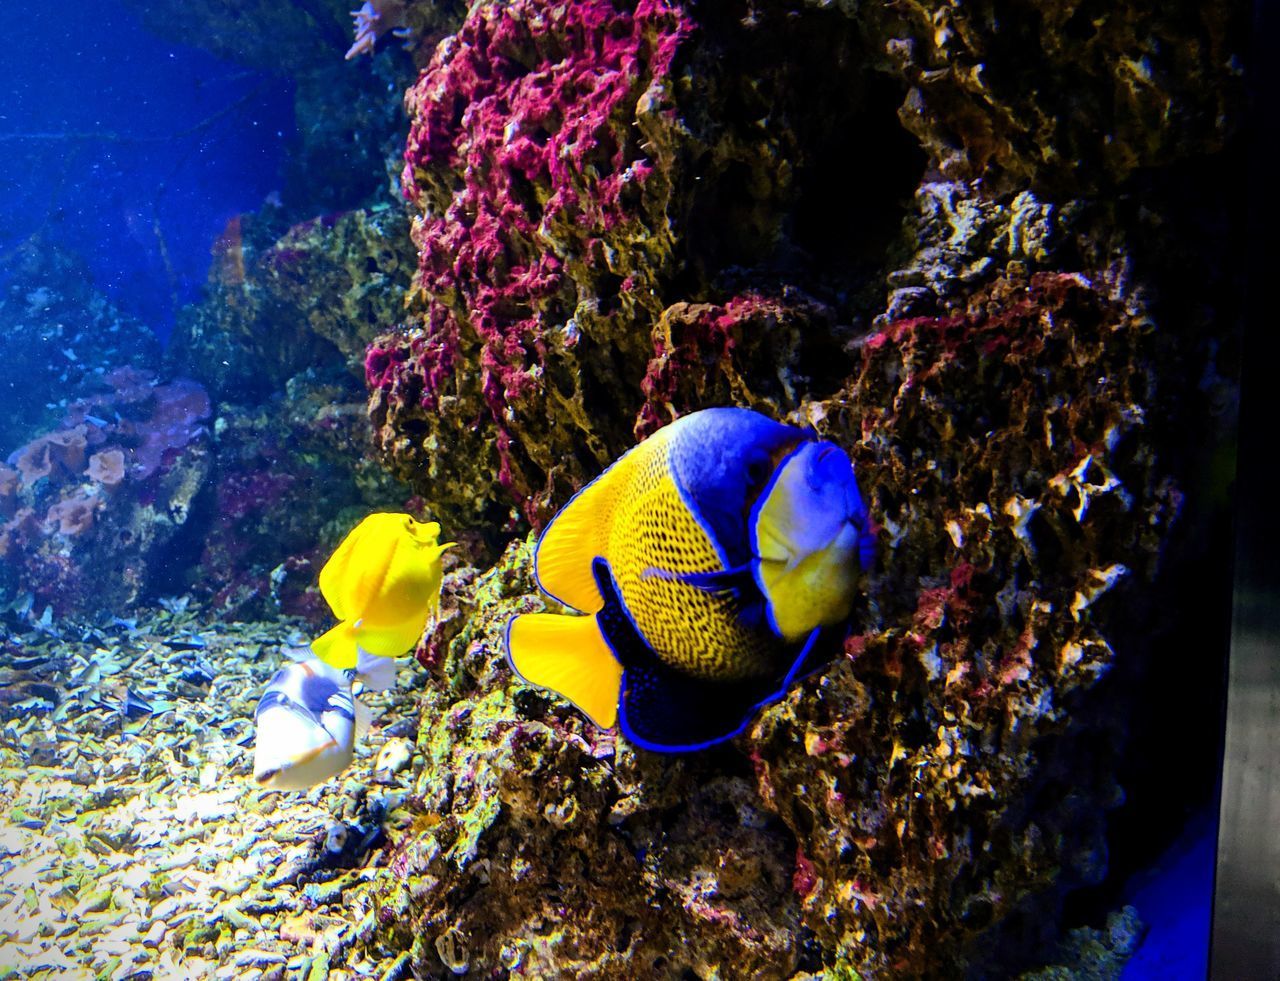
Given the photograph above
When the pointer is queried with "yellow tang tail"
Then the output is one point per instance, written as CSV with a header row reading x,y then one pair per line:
x,y
570,656
337,647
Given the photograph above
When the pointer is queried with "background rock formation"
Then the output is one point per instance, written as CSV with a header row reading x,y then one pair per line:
x,y
987,249
989,315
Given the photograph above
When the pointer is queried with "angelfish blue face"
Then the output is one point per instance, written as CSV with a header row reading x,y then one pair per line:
x,y
815,497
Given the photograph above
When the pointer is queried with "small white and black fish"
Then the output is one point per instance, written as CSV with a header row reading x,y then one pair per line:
x,y
308,719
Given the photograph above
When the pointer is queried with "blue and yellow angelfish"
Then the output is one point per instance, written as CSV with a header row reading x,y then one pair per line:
x,y
709,560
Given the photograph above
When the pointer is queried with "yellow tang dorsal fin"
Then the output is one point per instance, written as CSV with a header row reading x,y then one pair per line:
x,y
569,655
580,532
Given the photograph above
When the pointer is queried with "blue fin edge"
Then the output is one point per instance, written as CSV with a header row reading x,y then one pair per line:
x,y
625,724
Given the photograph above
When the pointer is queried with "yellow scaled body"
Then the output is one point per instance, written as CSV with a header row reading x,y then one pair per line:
x,y
383,583
636,517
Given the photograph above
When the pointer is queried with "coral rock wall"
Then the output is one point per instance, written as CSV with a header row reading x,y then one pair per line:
x,y
579,169
1009,514
1075,95
932,233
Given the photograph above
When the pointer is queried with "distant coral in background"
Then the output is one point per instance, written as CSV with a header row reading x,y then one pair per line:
x,y
297,297
374,19
10,484
59,335
107,468
290,476
91,507
280,342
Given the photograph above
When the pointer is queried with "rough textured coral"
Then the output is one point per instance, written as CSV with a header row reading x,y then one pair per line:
x,y
961,237
1012,462
1071,94
1011,455
545,112
579,169
344,274
538,846
749,351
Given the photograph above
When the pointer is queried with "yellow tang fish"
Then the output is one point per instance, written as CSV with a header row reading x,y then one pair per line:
x,y
710,559
383,583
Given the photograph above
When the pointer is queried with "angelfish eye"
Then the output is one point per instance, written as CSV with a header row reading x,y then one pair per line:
x,y
757,470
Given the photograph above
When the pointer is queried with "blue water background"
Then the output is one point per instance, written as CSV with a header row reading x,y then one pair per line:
x,y
108,133
1174,898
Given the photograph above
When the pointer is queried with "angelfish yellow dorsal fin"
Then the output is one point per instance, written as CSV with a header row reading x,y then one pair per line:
x,y
568,655
580,533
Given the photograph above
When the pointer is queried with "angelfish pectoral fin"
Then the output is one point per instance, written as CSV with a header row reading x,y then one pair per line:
x,y
570,656
666,711
720,581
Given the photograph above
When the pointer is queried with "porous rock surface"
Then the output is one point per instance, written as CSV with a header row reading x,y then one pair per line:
x,y
1013,374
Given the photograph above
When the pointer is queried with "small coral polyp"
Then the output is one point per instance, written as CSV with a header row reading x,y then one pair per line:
x,y
532,159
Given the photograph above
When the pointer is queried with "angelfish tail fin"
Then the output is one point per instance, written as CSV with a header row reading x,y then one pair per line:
x,y
337,647
570,656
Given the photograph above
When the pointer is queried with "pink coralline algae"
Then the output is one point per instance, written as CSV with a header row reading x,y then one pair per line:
x,y
745,352
150,423
542,112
